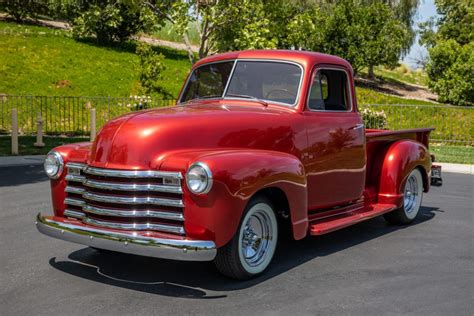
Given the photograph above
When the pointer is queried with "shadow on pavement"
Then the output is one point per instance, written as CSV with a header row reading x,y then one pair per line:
x,y
195,279
19,175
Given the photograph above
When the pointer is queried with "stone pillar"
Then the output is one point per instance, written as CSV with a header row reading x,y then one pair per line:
x,y
14,132
39,136
93,125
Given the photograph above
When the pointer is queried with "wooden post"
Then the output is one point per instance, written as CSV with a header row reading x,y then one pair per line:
x,y
14,132
39,136
93,125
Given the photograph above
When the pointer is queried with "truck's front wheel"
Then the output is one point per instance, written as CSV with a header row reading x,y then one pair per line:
x,y
252,248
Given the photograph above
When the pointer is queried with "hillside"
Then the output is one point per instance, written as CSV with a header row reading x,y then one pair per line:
x,y
37,60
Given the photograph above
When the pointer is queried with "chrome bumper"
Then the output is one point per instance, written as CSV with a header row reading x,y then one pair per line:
x,y
176,249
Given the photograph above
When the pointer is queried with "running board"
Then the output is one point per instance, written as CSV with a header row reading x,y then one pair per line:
x,y
321,226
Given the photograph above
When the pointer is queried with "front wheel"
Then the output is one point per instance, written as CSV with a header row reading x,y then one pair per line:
x,y
251,249
412,197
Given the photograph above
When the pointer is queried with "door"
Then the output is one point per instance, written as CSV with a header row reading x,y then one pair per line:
x,y
335,159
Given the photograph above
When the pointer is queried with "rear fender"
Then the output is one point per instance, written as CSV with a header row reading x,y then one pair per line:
x,y
237,176
401,158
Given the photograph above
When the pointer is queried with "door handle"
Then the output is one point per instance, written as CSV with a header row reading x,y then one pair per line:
x,y
358,126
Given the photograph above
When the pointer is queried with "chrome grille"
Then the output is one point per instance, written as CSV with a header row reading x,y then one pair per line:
x,y
125,199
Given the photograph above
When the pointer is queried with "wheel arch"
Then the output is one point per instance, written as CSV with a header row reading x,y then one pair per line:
x,y
401,158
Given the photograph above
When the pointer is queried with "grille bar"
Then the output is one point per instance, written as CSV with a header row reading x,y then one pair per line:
x,y
136,226
75,178
132,200
75,190
133,213
132,173
75,214
132,186
74,202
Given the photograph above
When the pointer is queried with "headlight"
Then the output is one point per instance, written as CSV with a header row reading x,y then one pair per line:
x,y
199,178
53,165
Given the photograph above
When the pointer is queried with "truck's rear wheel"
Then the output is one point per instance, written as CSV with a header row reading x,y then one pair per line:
x,y
412,197
252,248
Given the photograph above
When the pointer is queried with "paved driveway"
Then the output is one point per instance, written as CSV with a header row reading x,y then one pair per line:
x,y
372,268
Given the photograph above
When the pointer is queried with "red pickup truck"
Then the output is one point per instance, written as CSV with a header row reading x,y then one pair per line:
x,y
258,141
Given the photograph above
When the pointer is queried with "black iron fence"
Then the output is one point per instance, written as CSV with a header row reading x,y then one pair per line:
x,y
68,115
71,115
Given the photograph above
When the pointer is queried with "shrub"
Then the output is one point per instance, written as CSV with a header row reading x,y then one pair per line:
x,y
450,72
150,68
106,20
22,9
374,119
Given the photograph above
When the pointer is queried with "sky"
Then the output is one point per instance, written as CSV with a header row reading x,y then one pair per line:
x,y
426,10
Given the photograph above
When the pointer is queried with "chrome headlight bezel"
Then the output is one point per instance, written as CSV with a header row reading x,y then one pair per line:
x,y
199,171
54,156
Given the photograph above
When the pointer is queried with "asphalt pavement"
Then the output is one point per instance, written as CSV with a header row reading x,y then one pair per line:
x,y
372,268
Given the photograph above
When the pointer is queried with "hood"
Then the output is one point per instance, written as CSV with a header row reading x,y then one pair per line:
x,y
141,140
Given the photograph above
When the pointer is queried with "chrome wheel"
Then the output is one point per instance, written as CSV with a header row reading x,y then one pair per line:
x,y
258,238
413,194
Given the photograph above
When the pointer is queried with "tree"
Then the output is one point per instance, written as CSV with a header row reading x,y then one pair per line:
x,y
365,34
106,20
450,67
22,9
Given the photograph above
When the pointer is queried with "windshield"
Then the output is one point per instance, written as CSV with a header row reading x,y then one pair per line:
x,y
265,80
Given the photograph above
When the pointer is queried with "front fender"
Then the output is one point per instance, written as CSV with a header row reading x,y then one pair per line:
x,y
237,176
401,158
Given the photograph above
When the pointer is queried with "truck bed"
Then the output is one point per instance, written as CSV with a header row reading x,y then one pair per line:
x,y
419,134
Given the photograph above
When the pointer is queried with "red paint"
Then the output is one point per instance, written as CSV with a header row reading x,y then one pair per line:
x,y
316,158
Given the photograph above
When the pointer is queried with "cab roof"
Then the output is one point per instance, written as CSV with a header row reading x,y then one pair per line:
x,y
304,58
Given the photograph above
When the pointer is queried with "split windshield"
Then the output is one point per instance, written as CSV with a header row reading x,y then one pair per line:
x,y
265,80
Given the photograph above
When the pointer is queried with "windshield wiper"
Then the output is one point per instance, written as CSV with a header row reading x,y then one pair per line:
x,y
247,97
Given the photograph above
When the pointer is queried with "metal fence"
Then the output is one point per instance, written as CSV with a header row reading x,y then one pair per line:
x,y
71,115
68,115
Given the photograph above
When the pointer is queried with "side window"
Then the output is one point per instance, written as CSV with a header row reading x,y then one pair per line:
x,y
329,91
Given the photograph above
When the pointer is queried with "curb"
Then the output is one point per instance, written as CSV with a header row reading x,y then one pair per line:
x,y
455,168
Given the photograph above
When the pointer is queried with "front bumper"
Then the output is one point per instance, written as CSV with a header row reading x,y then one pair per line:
x,y
176,249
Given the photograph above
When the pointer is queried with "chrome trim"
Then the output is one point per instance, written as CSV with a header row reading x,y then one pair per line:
x,y
132,186
133,213
71,177
135,226
177,249
132,173
75,165
75,202
75,190
132,200
75,214
228,79
61,164
209,176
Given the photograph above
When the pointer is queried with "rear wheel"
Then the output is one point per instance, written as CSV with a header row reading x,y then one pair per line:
x,y
252,248
412,197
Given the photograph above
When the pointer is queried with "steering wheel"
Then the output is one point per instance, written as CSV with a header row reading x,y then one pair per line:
x,y
280,90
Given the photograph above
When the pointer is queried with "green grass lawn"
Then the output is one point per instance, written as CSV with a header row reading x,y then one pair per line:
x,y
25,144
42,61
453,154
